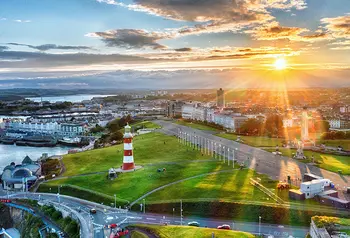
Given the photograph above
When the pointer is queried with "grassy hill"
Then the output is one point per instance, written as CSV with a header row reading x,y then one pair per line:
x,y
153,151
194,232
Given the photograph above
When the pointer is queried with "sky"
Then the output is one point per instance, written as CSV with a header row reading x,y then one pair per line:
x,y
174,43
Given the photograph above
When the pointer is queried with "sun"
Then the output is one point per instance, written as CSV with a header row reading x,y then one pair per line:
x,y
280,64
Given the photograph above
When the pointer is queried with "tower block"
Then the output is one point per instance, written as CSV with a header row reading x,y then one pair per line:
x,y
128,160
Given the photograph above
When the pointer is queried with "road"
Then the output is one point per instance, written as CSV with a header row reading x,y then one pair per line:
x,y
276,167
92,225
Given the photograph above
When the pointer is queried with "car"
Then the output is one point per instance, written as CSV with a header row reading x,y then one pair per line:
x,y
5,200
93,211
224,227
193,223
112,226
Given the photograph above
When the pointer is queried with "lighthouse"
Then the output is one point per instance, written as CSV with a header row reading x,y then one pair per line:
x,y
128,160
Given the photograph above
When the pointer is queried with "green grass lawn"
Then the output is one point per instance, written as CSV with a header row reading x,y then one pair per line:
x,y
196,126
325,161
256,141
146,124
335,143
193,232
231,186
137,234
148,148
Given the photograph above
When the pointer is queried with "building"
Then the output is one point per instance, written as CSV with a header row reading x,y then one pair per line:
x,y
51,128
220,98
339,124
21,176
229,121
187,111
174,108
312,188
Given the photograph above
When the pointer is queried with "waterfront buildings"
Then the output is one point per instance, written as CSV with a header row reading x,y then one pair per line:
x,y
174,108
51,128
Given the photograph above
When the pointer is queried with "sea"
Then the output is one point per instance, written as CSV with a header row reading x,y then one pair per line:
x,y
13,153
71,98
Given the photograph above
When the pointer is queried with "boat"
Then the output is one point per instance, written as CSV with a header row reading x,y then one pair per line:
x,y
70,141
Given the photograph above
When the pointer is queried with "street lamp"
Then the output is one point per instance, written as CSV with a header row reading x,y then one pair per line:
x,y
115,201
259,225
144,206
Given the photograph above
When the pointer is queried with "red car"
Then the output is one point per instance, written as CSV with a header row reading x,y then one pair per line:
x,y
112,226
224,227
5,200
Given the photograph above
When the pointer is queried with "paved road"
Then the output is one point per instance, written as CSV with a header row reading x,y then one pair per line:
x,y
92,225
276,167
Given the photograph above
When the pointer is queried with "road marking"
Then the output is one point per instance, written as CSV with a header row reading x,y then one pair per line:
x,y
109,218
152,219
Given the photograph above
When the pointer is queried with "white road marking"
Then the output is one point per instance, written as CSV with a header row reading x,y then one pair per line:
x,y
152,219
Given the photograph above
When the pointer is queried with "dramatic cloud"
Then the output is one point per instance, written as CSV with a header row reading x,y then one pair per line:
x,y
52,47
339,27
131,38
276,32
212,15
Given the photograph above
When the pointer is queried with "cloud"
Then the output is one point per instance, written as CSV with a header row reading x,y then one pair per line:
x,y
22,21
47,47
21,59
186,49
212,15
339,27
131,38
3,19
2,48
274,31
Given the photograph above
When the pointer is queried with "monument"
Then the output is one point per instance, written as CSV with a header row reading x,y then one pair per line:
x,y
304,125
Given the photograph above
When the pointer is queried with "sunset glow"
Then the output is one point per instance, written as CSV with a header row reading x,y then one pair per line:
x,y
280,64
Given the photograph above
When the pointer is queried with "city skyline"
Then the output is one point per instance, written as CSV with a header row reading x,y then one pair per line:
x,y
177,44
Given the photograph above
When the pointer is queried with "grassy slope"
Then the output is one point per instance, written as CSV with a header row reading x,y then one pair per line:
x,y
335,143
196,126
150,148
256,141
194,232
326,161
137,234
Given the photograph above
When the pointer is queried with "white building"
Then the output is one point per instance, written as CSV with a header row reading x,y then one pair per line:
x,y
312,188
53,128
229,121
287,123
187,111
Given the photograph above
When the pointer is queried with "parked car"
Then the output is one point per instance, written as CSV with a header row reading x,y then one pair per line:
x,y
224,227
193,223
5,200
93,211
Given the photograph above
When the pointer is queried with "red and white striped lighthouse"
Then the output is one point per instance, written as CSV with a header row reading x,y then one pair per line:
x,y
128,160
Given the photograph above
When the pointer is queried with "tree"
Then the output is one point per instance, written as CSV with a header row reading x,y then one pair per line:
x,y
251,127
322,126
116,136
274,125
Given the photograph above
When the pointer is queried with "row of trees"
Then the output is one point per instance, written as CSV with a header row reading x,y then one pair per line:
x,y
273,127
70,226
114,131
335,135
